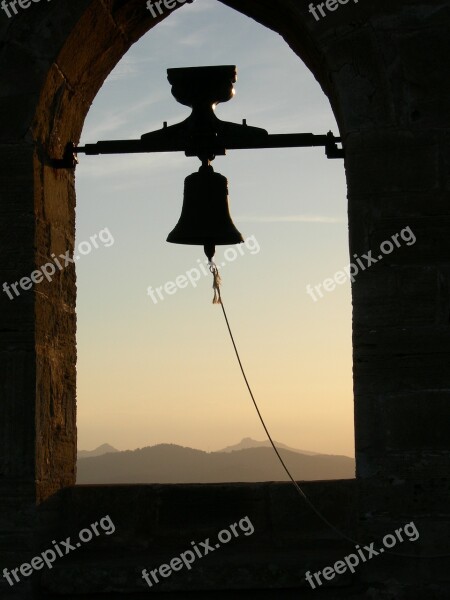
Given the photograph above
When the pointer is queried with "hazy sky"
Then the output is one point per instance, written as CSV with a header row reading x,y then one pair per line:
x,y
166,372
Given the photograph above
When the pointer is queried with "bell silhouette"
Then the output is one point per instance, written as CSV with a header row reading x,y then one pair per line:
x,y
205,217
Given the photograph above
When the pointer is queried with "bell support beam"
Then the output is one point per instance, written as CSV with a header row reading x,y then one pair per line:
x,y
203,134
280,140
284,140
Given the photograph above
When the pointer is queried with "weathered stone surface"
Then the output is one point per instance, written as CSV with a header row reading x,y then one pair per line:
x,y
288,538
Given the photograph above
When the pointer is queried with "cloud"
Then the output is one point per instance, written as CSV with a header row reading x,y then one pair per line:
x,y
115,120
289,219
176,15
203,6
127,67
111,122
132,166
197,38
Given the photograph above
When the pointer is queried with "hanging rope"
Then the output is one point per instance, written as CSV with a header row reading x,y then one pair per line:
x,y
218,300
217,282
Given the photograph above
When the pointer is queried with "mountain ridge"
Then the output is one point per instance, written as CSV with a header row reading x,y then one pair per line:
x,y
248,442
171,463
99,451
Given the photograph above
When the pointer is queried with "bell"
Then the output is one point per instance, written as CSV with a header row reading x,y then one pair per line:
x,y
205,217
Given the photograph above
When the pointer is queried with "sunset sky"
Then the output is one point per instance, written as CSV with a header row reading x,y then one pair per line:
x,y
166,372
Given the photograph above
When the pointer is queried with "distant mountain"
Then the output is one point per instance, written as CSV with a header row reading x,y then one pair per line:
x,y
169,463
249,443
103,449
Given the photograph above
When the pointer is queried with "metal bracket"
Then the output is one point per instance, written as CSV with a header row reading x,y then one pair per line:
x,y
203,134
69,159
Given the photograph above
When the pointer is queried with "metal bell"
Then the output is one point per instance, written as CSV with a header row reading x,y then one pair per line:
x,y
205,217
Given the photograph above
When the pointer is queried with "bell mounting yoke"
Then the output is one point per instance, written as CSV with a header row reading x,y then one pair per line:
x,y
203,134
202,88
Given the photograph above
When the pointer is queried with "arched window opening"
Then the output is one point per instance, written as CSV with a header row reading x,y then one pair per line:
x,y
155,364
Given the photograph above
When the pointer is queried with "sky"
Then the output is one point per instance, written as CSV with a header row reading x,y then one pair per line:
x,y
164,371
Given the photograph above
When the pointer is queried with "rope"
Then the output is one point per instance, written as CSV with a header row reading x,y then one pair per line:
x,y
218,300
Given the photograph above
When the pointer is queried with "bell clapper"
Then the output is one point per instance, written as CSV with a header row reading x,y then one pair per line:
x,y
210,250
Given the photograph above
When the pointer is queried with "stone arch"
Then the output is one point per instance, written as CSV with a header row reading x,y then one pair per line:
x,y
62,67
